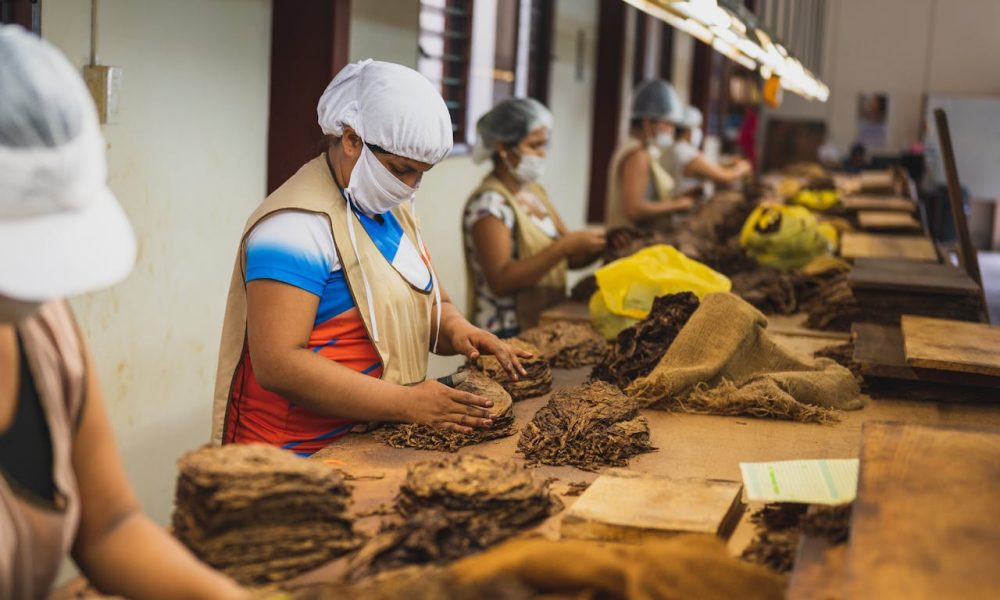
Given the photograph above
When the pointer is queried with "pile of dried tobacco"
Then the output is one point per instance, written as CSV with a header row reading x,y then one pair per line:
x,y
780,526
537,382
454,507
425,437
587,426
261,514
639,348
567,345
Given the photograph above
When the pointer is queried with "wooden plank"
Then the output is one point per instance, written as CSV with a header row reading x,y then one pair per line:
x,y
626,506
948,345
925,521
873,180
576,312
883,220
903,247
887,274
870,202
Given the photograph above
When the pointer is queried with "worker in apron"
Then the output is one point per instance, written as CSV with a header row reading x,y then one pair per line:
x,y
334,304
640,192
689,167
517,248
62,483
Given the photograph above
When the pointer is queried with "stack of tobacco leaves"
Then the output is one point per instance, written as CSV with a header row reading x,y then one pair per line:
x,y
639,348
537,382
567,345
769,290
584,289
780,526
843,355
425,437
261,514
587,426
453,507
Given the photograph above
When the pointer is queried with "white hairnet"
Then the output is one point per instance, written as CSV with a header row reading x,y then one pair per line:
x,y
657,100
388,105
692,118
509,122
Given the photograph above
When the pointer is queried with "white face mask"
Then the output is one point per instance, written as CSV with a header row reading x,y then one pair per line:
x,y
373,189
697,136
529,169
664,139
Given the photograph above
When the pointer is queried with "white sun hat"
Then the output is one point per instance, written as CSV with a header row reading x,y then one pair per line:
x,y
61,230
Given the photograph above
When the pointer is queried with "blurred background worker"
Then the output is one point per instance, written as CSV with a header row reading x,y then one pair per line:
x,y
689,166
62,483
640,191
517,248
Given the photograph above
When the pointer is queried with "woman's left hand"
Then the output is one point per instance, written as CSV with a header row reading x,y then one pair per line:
x,y
474,342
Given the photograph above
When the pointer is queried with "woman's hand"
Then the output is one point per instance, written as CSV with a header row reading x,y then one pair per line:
x,y
474,342
448,409
583,243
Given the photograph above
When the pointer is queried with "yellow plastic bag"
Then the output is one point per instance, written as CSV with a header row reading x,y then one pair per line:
x,y
817,199
628,286
786,237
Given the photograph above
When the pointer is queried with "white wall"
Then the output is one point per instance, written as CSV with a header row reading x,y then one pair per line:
x,y
385,30
906,49
187,162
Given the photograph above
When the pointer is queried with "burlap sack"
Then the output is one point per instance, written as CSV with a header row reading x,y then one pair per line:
x,y
724,362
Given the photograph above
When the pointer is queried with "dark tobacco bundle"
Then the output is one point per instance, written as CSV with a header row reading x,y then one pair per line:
x,y
567,345
728,258
779,527
769,290
832,305
454,507
639,348
261,514
584,289
425,437
537,382
587,426
843,355
830,522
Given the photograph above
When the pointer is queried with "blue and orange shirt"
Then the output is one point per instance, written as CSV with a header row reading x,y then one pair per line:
x,y
296,248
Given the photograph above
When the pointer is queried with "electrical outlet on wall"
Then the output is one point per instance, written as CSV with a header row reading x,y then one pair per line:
x,y
105,86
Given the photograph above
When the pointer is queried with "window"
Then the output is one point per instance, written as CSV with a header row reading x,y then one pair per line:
x,y
482,51
26,13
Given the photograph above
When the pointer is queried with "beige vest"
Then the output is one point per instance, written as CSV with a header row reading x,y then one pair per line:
x,y
36,535
531,239
663,184
402,312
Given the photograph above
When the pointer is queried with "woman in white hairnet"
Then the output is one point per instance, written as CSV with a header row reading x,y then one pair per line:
x,y
62,484
689,167
640,192
517,248
334,304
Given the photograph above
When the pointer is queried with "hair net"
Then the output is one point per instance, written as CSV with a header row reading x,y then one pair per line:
x,y
388,105
509,122
692,118
658,100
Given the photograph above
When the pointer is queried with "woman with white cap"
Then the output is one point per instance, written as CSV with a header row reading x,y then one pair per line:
x,y
62,484
640,191
334,304
689,167
517,248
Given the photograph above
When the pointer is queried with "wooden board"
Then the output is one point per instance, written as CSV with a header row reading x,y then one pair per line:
x,y
902,247
887,220
818,571
627,506
904,275
925,521
882,179
576,312
882,203
948,345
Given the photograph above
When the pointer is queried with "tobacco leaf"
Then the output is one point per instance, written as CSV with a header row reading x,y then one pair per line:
x,y
780,526
567,345
537,381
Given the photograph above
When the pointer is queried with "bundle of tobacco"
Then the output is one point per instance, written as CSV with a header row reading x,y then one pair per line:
x,y
584,289
425,437
843,355
261,514
769,290
626,241
537,382
639,348
567,345
780,526
453,507
587,426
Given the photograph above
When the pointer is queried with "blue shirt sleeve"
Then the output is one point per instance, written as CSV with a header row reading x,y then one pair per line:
x,y
292,247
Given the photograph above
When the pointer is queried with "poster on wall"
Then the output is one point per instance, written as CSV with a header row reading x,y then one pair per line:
x,y
873,110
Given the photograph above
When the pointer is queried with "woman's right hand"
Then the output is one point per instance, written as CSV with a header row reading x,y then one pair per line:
x,y
432,403
584,242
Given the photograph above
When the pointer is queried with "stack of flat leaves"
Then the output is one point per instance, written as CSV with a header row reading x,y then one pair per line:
x,y
537,382
425,437
261,514
567,345
587,426
453,507
639,348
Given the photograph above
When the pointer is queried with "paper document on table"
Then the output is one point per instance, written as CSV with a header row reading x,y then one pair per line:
x,y
805,481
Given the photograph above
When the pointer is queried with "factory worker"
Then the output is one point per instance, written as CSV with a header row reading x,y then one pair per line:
x,y
334,303
63,489
689,167
640,191
517,248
